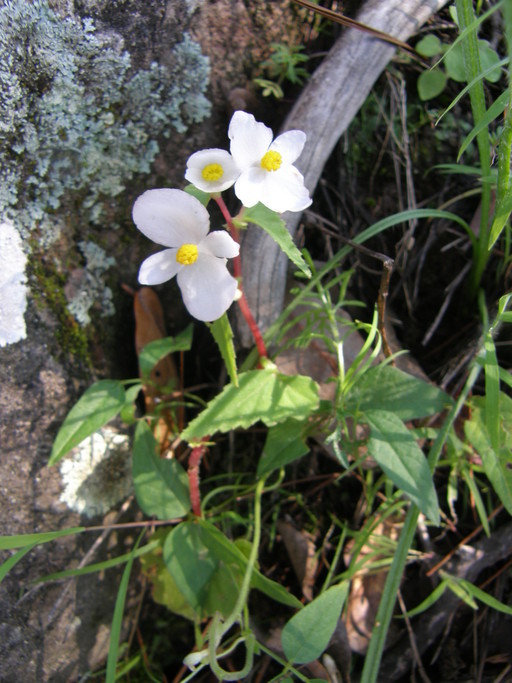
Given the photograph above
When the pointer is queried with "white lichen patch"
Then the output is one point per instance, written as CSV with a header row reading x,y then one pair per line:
x,y
86,286
13,289
98,473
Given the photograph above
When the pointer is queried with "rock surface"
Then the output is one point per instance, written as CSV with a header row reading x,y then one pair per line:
x,y
59,631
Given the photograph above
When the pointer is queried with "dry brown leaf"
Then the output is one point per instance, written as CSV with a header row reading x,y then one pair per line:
x,y
150,326
366,588
301,549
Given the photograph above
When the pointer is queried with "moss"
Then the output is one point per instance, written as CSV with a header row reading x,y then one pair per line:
x,y
74,117
48,291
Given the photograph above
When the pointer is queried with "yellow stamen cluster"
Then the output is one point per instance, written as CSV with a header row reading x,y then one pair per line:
x,y
212,172
271,161
187,254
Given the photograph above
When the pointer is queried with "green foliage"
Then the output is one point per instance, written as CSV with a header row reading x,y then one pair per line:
x,y
432,82
284,444
283,65
207,569
384,387
161,485
158,349
223,335
117,618
274,225
264,395
205,563
306,635
98,405
399,456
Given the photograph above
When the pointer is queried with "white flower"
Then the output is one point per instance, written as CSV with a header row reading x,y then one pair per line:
x,y
211,170
198,259
266,171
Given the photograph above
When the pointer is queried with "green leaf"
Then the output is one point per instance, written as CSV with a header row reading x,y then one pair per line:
x,y
496,463
231,554
283,445
205,581
117,618
484,597
161,485
203,197
384,387
437,593
276,228
6,566
431,84
98,566
306,636
262,395
159,348
488,60
429,46
495,110
206,567
454,63
10,542
164,589
223,335
399,456
97,406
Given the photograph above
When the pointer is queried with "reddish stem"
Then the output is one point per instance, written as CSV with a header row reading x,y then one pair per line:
x,y
194,462
237,272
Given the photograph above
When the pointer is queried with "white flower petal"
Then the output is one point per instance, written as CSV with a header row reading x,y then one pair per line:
x,y
159,267
249,139
289,145
220,243
250,186
207,288
206,157
284,190
171,217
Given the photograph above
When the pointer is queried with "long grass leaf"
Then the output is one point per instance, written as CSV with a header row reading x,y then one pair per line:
x,y
99,566
10,542
373,658
496,108
117,619
6,566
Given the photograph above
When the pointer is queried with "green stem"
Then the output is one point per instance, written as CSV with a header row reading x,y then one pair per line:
x,y
466,18
219,628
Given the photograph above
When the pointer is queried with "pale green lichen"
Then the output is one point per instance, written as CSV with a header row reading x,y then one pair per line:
x,y
98,474
73,115
91,288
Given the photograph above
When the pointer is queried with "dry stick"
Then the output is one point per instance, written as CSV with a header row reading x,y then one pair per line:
x,y
352,23
88,555
237,271
464,541
412,639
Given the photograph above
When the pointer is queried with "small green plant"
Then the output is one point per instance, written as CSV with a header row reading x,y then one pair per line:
x,y
431,83
283,65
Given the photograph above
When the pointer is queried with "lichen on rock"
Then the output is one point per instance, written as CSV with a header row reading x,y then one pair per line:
x,y
97,475
74,116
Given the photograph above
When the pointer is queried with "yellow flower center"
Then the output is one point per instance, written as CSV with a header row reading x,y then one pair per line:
x,y
271,161
187,254
212,172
